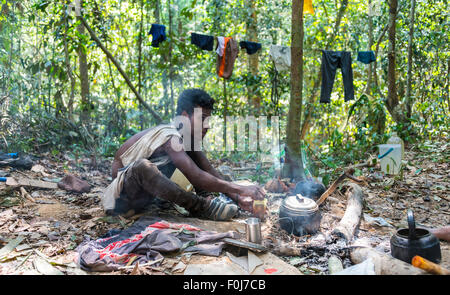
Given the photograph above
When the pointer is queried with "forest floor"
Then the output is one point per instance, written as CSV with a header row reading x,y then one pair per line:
x,y
48,225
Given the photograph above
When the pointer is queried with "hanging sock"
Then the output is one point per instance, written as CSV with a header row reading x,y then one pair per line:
x,y
251,47
366,57
227,52
307,7
204,42
159,34
281,56
331,60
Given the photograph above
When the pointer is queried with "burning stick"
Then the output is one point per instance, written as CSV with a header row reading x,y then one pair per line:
x,y
429,266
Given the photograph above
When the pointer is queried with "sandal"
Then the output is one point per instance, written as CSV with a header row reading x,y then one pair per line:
x,y
220,211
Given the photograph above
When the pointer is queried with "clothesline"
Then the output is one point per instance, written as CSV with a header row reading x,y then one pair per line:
x,y
227,50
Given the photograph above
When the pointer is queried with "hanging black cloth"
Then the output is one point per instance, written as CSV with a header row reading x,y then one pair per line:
x,y
274,94
159,34
331,60
251,47
366,57
204,42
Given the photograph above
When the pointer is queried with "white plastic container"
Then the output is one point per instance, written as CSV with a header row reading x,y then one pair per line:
x,y
395,139
390,161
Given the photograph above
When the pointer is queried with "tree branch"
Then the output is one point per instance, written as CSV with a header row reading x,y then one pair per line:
x,y
127,80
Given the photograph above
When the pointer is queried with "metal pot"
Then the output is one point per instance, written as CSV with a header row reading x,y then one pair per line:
x,y
299,215
409,242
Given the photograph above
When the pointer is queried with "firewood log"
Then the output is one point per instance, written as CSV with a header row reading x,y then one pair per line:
x,y
347,226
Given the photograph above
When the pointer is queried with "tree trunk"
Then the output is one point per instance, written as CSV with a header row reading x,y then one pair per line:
x,y
392,97
409,101
69,73
293,167
369,70
253,62
172,101
141,26
84,77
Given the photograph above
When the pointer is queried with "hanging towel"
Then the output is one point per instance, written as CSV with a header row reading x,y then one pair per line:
x,y
204,42
331,60
159,34
251,47
281,56
226,57
366,57
307,7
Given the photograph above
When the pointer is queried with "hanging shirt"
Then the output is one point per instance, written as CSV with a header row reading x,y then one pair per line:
x,y
203,42
251,47
226,56
281,56
159,34
366,57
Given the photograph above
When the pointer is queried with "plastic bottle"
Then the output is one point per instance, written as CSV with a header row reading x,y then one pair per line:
x,y
394,139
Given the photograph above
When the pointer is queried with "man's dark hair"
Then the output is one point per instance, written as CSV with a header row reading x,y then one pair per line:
x,y
191,98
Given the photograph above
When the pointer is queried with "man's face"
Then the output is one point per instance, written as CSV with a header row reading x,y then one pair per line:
x,y
199,120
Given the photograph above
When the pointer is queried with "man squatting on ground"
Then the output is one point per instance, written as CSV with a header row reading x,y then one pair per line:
x,y
144,163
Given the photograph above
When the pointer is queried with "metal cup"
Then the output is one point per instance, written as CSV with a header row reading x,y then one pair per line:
x,y
253,230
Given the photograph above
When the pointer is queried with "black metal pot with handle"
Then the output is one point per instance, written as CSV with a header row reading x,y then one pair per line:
x,y
409,242
299,215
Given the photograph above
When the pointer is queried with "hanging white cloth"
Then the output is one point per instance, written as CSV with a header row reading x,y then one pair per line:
x,y
281,55
220,45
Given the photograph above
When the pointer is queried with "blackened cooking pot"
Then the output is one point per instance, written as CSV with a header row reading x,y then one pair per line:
x,y
299,215
409,242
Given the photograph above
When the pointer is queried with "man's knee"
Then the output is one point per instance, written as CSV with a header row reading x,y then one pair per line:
x,y
145,167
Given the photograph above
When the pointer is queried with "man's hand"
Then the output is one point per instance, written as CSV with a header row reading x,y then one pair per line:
x,y
255,192
245,203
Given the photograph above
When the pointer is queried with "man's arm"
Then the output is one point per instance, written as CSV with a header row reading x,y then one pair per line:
x,y
204,180
203,163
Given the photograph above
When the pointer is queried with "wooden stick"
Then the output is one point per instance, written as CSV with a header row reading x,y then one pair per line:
x,y
384,264
122,72
347,226
429,266
333,187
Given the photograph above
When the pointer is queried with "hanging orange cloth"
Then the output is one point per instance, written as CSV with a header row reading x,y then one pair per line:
x,y
226,57
307,7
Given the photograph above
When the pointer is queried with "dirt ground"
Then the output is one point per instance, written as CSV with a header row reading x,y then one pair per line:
x,y
48,224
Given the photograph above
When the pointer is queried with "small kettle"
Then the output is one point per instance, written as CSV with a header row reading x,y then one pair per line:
x,y
409,242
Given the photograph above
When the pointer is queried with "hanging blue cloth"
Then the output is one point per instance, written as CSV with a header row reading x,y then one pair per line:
x,y
251,47
366,57
159,34
204,42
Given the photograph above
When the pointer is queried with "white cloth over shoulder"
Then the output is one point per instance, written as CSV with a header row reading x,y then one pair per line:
x,y
141,149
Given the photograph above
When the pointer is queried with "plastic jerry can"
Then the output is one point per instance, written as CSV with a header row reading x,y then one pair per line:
x,y
395,139
390,156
